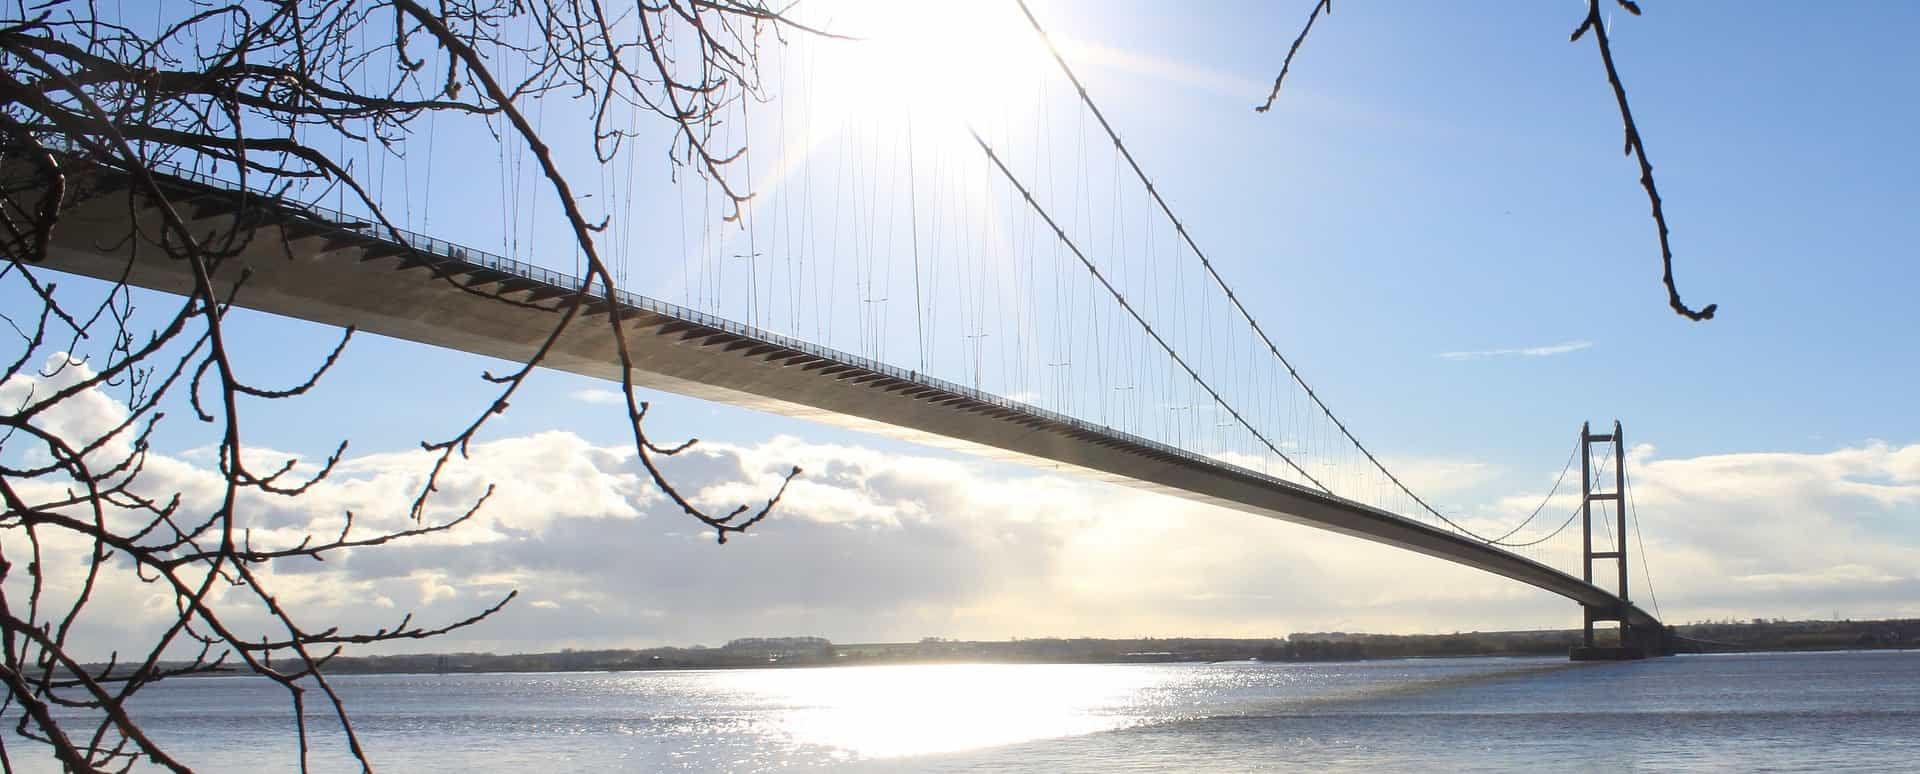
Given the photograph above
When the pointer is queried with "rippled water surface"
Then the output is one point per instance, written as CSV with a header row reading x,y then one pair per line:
x,y
1694,713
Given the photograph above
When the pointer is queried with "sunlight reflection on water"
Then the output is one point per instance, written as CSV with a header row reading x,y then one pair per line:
x,y
892,711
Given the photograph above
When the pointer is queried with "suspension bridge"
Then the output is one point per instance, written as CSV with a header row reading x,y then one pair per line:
x,y
1102,338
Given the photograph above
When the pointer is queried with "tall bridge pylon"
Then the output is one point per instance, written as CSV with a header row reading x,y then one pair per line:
x,y
1636,641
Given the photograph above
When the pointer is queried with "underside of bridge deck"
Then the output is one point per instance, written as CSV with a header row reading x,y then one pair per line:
x,y
324,270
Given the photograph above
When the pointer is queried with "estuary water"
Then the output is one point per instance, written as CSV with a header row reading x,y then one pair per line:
x,y
1806,711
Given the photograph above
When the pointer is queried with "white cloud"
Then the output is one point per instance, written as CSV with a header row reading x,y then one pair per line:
x,y
1542,351
599,397
877,545
1179,73
1439,476
85,416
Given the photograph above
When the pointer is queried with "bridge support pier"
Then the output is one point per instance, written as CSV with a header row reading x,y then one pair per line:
x,y
1633,642
1636,642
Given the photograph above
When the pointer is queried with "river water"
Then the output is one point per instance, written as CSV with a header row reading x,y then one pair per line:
x,y
1833,711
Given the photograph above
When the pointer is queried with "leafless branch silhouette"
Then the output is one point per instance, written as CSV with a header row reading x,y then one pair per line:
x,y
1638,150
101,111
1292,51
1633,146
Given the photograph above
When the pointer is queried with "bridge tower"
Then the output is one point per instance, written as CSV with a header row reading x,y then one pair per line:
x,y
1635,641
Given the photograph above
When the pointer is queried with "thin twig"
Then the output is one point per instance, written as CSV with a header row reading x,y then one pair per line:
x,y
1287,64
1634,146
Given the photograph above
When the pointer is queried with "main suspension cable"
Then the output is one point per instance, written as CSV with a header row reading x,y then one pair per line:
x,y
1181,228
1592,484
1556,530
1121,298
1543,501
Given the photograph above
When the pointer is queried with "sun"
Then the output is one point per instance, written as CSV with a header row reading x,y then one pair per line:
x,y
919,75
966,63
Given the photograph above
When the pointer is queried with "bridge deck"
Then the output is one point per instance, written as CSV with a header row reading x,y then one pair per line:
x,y
319,266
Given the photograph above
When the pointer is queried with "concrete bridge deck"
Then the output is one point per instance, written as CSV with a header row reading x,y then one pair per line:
x,y
323,267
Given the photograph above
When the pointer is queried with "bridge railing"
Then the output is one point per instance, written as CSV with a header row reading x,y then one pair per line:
x,y
443,249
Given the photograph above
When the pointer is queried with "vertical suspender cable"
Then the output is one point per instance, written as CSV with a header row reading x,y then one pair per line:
x,y
1061,234
913,215
1642,545
1207,264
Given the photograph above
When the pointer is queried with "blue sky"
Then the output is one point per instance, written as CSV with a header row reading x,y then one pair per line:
x,y
1435,180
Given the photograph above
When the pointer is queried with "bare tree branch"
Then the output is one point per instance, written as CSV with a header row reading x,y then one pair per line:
x,y
1638,150
1633,145
1287,64
104,114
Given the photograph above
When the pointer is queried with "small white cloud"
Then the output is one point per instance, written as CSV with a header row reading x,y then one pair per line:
x,y
1544,351
597,397
1171,71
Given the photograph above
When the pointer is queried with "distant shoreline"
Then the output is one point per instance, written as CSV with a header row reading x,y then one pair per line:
x,y
1915,648
801,652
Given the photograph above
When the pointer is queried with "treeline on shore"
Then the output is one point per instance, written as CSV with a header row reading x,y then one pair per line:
x,y
1756,634
1777,634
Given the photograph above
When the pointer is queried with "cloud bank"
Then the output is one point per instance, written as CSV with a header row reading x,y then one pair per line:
x,y
878,545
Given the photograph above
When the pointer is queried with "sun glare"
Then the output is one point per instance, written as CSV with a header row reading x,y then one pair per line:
x,y
966,62
889,711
